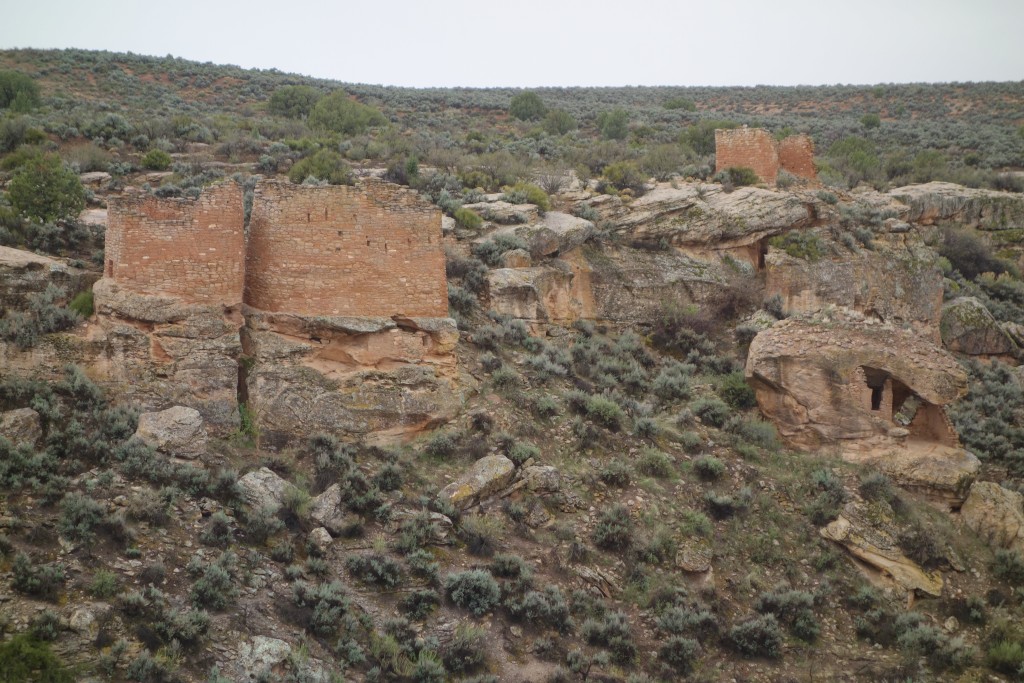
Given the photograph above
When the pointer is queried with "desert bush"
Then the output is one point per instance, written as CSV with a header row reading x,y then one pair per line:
x,y
467,649
794,609
326,604
711,411
1008,566
735,391
215,589
261,523
614,529
24,658
708,467
605,412
547,607
44,190
738,176
679,653
375,569
467,219
18,92
293,101
625,175
970,253
491,251
758,636
941,651
527,193
613,124
1006,656
799,244
80,518
420,604
474,590
325,165
42,581
558,122
612,632
338,113
156,160
655,463
679,621
615,473
527,106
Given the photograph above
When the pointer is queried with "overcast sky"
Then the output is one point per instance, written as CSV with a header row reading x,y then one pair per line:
x,y
553,42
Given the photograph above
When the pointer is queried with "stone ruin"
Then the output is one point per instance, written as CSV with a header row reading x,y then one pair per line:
x,y
329,313
757,149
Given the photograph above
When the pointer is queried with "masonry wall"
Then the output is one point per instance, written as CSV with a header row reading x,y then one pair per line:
x,y
370,250
193,249
756,148
796,155
750,147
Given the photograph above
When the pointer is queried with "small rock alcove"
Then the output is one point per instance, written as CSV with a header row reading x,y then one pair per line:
x,y
895,402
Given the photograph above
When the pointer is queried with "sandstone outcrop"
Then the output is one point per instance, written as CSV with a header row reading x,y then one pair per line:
x,y
865,534
705,216
486,476
910,291
23,273
329,510
996,514
968,327
21,426
823,380
177,431
943,474
938,202
553,234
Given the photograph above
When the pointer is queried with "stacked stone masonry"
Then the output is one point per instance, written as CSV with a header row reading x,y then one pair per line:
x,y
193,249
369,250
757,149
374,250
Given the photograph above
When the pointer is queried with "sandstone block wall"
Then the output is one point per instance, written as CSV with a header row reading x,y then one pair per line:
x,y
755,148
193,249
371,250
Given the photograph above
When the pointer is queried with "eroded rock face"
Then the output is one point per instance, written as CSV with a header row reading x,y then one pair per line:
x,y
697,214
867,536
177,431
23,273
555,233
158,349
328,510
826,380
21,426
486,476
943,474
968,327
996,514
898,284
349,375
936,202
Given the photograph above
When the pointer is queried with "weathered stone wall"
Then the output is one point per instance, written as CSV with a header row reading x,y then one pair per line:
x,y
370,250
750,147
796,155
755,148
193,249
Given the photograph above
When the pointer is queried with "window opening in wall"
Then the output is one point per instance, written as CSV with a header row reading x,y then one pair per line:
x,y
308,216
876,398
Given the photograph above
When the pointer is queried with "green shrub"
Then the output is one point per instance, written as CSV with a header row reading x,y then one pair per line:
x,y
527,193
712,411
420,604
375,569
679,653
605,412
708,467
1006,657
440,445
655,463
558,122
678,621
44,190
325,165
527,106
156,160
474,590
338,113
970,253
739,176
624,175
491,251
793,608
82,304
522,451
215,589
467,649
735,391
615,473
681,103
328,607
23,658
293,101
758,636
42,581
614,529
468,219
799,244
104,584
613,124
613,633
1008,566
80,516
547,607
18,91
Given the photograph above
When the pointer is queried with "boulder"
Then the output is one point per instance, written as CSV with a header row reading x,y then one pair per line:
x,y
935,202
968,327
516,258
320,538
542,479
259,657
944,474
839,377
542,293
21,426
328,510
694,555
865,534
504,212
556,233
263,488
177,431
996,514
486,476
